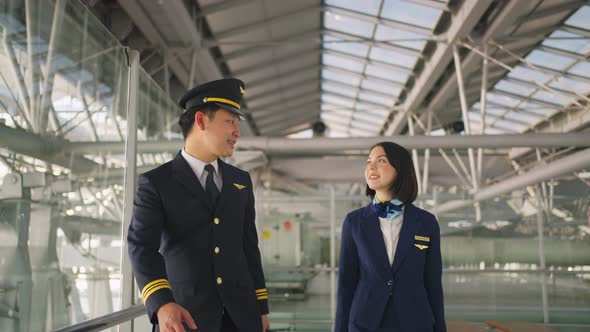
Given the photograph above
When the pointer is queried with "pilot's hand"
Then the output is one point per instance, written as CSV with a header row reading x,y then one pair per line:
x,y
171,316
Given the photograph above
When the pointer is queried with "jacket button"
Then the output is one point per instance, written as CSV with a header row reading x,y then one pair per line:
x,y
389,282
217,250
216,221
219,280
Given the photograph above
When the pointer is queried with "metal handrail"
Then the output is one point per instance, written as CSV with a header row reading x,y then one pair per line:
x,y
116,318
106,321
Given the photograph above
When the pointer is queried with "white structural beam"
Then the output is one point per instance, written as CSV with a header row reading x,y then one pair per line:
x,y
463,22
324,145
544,172
180,20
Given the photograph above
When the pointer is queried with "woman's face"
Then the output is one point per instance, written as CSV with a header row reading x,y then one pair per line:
x,y
379,173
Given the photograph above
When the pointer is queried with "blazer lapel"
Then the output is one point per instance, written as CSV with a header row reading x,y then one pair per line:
x,y
373,237
184,174
227,177
410,226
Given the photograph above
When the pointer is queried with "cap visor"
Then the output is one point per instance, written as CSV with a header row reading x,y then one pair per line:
x,y
231,109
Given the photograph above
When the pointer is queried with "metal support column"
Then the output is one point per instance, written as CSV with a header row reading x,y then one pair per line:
x,y
127,284
464,111
45,105
332,253
415,154
542,254
482,108
427,154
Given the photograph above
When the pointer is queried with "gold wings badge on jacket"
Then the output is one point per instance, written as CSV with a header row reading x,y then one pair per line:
x,y
239,186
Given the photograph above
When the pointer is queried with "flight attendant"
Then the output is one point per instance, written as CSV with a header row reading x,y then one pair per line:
x,y
390,273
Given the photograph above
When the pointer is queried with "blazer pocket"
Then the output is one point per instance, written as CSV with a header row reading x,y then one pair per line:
x,y
420,246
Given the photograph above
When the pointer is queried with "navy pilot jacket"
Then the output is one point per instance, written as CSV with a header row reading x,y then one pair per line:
x,y
203,255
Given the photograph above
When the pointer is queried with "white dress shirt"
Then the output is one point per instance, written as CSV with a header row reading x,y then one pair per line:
x,y
391,229
198,167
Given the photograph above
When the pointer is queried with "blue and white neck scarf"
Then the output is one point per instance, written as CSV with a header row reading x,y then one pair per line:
x,y
388,210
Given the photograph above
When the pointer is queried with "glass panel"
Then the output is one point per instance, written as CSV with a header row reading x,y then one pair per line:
x,y
370,97
516,127
576,45
552,98
60,212
348,24
393,57
341,77
400,37
376,121
370,7
519,89
549,60
527,74
341,45
411,13
339,89
336,61
522,117
582,69
336,100
383,88
387,74
581,18
571,85
502,99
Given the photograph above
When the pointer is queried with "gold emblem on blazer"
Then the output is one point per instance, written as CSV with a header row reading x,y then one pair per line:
x,y
239,186
421,238
420,246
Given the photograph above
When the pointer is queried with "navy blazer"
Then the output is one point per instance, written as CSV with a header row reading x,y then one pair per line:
x,y
203,255
375,296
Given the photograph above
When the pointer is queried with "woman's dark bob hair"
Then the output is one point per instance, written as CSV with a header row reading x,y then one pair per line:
x,y
405,185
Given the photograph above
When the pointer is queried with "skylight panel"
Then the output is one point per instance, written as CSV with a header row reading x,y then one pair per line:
x,y
386,102
348,24
549,60
528,74
400,37
551,98
336,61
339,101
341,45
392,57
339,89
387,74
571,84
582,69
516,88
580,19
370,7
407,12
341,77
376,86
575,44
522,117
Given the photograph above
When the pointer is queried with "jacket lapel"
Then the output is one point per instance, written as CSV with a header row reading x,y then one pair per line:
x,y
227,177
373,237
410,226
184,174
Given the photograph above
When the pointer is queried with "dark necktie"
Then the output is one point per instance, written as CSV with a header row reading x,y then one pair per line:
x,y
210,186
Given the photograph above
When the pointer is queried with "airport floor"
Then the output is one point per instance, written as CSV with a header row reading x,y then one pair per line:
x,y
474,297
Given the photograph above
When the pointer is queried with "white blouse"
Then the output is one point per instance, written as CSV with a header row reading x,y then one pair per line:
x,y
391,229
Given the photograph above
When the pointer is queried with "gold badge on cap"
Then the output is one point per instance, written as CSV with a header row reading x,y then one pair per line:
x,y
242,90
